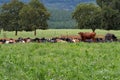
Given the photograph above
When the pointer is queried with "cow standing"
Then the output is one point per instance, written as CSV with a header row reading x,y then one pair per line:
x,y
87,36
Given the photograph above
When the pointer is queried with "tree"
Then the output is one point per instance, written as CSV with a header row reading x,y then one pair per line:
x,y
103,3
110,14
0,25
10,16
114,4
110,18
86,15
34,16
94,22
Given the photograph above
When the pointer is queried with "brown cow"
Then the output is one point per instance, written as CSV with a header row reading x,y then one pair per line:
x,y
100,38
87,36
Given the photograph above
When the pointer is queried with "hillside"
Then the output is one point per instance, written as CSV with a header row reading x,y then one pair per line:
x,y
58,4
64,4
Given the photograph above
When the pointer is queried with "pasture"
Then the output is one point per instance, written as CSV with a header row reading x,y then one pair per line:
x,y
59,61
54,32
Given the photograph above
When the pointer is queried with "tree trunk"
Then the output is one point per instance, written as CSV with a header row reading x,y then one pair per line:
x,y
35,32
93,29
16,32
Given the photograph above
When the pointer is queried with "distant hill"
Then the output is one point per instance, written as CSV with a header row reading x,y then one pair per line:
x,y
65,4
58,4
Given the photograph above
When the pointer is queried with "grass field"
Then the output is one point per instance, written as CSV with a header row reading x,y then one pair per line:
x,y
59,61
54,32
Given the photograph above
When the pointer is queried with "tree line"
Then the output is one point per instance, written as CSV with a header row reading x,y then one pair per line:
x,y
104,15
18,16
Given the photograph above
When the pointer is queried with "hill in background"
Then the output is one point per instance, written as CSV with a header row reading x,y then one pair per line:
x,y
58,4
65,4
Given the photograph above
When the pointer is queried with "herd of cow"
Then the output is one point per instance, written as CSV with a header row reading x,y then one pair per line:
x,y
82,37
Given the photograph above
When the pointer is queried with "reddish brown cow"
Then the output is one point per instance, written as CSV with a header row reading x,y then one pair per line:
x,y
87,36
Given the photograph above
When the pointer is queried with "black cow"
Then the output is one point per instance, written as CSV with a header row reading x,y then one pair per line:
x,y
110,37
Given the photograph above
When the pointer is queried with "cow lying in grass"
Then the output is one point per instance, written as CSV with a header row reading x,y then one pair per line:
x,y
64,39
110,37
71,38
7,41
99,38
86,37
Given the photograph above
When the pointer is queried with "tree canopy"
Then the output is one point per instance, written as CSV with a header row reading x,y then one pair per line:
x,y
110,14
87,16
17,16
10,16
34,16
105,15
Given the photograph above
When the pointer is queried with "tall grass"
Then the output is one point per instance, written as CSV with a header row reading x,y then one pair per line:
x,y
68,61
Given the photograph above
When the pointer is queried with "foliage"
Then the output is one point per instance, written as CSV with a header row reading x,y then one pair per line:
x,y
87,16
110,14
106,17
10,16
103,3
110,19
17,16
34,16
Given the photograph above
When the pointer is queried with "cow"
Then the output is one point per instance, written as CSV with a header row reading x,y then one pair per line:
x,y
20,40
35,40
100,38
71,38
110,37
87,36
27,40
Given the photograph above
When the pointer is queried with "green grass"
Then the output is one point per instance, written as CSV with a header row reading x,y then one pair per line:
x,y
60,61
54,33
